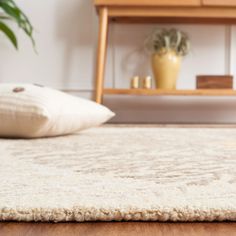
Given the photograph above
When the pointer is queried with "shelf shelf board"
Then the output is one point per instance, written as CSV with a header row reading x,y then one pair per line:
x,y
160,92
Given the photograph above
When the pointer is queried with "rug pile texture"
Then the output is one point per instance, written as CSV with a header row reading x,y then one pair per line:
x,y
121,173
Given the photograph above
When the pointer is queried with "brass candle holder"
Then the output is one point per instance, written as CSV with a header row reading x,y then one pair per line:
x,y
147,82
135,82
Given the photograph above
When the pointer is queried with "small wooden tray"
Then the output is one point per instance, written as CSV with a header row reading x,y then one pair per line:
x,y
214,82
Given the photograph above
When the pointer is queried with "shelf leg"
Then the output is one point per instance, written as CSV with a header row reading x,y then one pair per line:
x,y
101,53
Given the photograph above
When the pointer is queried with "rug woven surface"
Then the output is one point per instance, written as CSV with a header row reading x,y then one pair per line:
x,y
121,173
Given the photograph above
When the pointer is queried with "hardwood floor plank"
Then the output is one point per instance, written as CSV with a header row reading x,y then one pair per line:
x,y
117,229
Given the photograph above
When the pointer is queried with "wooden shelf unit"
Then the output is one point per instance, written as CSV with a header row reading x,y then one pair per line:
x,y
159,92
152,11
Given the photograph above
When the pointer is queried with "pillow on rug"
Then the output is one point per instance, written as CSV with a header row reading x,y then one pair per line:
x,y
33,111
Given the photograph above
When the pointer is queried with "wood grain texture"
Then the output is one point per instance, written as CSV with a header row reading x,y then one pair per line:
x,y
214,82
176,12
118,229
152,92
101,52
148,2
219,3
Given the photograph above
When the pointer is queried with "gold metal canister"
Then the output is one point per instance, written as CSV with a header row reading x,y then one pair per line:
x,y
147,82
135,82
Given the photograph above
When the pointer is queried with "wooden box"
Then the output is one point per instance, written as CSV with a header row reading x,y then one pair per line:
x,y
214,82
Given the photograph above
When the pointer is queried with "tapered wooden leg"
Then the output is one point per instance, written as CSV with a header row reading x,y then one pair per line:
x,y
101,52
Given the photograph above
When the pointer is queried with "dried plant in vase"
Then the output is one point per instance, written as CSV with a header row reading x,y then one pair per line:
x,y
10,12
167,47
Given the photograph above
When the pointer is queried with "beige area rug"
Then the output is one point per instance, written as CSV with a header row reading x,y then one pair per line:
x,y
121,173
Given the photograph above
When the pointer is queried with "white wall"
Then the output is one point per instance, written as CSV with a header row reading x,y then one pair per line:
x,y
66,33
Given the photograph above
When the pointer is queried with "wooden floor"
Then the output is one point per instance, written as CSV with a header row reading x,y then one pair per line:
x,y
118,229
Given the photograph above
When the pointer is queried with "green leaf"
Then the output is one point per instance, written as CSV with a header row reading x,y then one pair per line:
x,y
9,33
12,10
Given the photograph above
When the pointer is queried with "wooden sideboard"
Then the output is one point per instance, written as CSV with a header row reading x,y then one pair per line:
x,y
157,11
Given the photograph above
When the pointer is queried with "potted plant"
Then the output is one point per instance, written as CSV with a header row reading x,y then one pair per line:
x,y
9,11
167,48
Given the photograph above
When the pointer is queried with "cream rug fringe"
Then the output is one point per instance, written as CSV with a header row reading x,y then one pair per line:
x,y
123,173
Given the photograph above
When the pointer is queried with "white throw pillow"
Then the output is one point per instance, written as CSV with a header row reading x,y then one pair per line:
x,y
32,111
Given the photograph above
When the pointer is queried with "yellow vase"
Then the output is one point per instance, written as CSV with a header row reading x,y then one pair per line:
x,y
166,67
